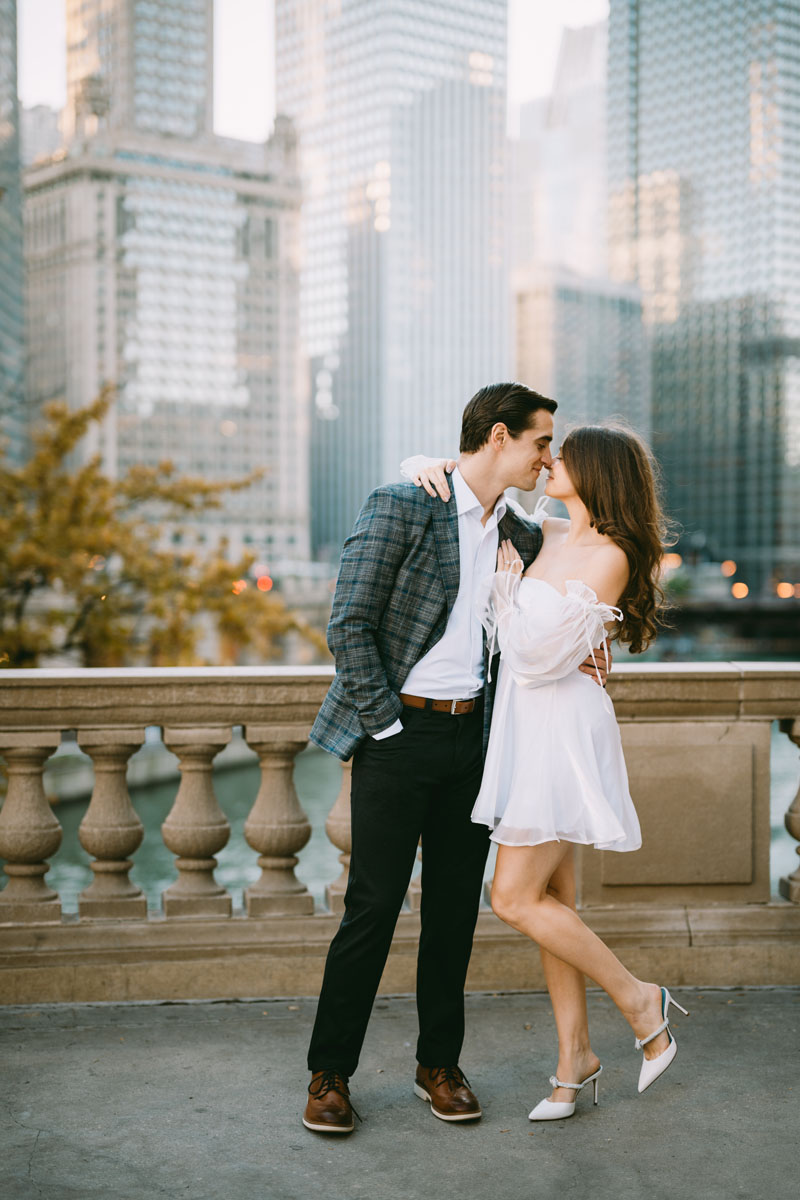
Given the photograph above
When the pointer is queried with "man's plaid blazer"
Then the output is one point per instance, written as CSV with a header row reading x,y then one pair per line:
x,y
398,581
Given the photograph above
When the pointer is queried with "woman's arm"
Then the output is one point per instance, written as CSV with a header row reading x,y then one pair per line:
x,y
429,473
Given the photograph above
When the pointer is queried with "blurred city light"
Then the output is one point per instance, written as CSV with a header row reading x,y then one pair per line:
x,y
728,568
739,591
239,586
785,590
264,583
672,561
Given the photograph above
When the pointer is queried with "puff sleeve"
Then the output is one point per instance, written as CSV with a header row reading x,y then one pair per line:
x,y
543,635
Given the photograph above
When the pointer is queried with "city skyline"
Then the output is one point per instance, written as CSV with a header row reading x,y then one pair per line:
x,y
163,259
704,197
404,244
244,37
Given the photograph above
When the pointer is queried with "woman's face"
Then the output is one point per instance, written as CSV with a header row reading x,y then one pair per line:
x,y
559,485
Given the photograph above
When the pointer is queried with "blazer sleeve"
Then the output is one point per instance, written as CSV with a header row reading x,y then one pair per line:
x,y
370,561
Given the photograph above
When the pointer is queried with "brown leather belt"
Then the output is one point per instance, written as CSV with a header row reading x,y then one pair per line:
x,y
456,708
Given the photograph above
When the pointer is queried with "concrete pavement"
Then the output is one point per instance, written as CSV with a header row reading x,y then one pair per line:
x,y
203,1101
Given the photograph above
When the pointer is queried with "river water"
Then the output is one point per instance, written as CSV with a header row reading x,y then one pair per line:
x,y
317,778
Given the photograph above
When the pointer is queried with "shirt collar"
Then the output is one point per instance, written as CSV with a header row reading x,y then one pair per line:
x,y
466,500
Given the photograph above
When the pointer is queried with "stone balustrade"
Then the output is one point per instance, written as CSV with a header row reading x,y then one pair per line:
x,y
696,898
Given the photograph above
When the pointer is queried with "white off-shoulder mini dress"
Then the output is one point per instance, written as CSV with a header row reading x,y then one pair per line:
x,y
554,766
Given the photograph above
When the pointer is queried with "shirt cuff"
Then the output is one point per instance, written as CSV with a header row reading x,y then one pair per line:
x,y
397,727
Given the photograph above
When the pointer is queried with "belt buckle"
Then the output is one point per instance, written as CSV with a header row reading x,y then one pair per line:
x,y
453,705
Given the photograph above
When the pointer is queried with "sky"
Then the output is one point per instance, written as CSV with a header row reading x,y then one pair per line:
x,y
243,100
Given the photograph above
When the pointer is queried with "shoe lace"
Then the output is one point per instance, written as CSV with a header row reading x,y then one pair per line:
x,y
332,1081
453,1076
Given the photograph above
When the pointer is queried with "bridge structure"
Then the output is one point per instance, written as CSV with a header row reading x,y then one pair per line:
x,y
693,906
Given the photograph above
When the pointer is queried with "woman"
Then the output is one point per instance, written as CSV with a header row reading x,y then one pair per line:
x,y
554,772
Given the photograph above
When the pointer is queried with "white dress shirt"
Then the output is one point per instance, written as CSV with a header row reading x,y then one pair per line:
x,y
453,668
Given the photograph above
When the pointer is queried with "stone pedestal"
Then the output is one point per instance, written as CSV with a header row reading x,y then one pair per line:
x,y
29,832
111,829
196,828
277,826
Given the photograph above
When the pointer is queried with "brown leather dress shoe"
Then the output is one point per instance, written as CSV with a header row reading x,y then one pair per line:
x,y
447,1090
329,1109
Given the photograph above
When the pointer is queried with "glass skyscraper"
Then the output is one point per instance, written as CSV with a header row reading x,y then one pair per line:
x,y
400,111
704,214
579,335
164,260
140,64
12,422
582,340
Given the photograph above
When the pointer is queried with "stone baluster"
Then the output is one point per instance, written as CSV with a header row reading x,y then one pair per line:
x,y
277,827
337,828
111,829
29,832
789,885
196,828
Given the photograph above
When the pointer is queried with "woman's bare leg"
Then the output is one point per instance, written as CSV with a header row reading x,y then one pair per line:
x,y
567,988
520,898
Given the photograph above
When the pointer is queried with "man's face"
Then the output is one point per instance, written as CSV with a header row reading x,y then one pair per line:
x,y
523,457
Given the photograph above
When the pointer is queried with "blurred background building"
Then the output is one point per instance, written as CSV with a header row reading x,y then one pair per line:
x,y
40,132
322,303
558,194
12,413
400,110
579,334
583,341
704,209
164,259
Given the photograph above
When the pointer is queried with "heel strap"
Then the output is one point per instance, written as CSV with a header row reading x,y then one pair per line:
x,y
560,1083
643,1041
554,1082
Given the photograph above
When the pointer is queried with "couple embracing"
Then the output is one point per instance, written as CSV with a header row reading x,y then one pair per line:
x,y
469,641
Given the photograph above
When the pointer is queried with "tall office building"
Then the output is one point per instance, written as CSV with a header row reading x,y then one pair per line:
x,y
704,214
164,259
12,417
40,132
400,110
559,163
583,341
579,334
140,64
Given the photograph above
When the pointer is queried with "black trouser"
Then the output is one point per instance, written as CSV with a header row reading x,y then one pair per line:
x,y
421,782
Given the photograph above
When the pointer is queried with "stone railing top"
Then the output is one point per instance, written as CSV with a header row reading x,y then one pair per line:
x,y
67,698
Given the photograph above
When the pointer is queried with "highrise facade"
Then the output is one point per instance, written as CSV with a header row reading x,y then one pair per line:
x,y
140,64
40,132
12,415
559,163
164,260
704,215
582,340
400,111
579,334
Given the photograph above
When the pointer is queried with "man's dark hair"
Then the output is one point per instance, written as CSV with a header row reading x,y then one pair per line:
x,y
512,403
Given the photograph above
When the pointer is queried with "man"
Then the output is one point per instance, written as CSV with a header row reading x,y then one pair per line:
x,y
411,703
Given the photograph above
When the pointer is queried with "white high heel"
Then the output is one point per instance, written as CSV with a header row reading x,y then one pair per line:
x,y
556,1110
653,1067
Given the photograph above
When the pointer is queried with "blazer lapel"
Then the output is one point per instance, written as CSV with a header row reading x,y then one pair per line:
x,y
526,536
445,529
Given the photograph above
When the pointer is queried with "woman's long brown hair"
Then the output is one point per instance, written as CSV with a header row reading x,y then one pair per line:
x,y
615,476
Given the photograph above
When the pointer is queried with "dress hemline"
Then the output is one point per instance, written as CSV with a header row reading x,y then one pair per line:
x,y
574,841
